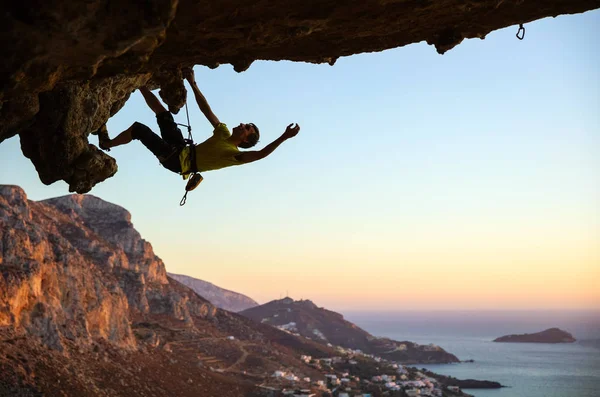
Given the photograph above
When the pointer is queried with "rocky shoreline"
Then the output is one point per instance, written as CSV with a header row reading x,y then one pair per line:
x,y
465,383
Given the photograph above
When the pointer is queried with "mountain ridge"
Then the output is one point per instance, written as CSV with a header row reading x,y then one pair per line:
x,y
220,297
305,318
86,308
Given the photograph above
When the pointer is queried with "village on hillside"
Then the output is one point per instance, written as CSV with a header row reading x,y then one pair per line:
x,y
350,373
356,374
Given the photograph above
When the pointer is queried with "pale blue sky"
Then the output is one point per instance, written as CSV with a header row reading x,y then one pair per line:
x,y
408,163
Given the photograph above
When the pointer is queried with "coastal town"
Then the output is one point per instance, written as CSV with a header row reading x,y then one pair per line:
x,y
349,371
355,374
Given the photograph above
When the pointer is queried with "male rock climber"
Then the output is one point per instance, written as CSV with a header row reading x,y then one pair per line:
x,y
218,151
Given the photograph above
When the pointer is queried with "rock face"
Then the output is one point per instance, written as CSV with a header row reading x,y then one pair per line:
x,y
319,324
551,335
86,308
75,268
68,66
220,297
50,288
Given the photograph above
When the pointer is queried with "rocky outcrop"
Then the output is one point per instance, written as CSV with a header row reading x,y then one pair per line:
x,y
551,335
305,318
463,383
50,289
220,297
68,66
75,268
86,308
112,224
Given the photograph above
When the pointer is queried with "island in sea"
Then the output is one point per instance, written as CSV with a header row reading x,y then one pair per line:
x,y
551,335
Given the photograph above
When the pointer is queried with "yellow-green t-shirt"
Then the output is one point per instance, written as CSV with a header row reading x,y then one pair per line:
x,y
214,153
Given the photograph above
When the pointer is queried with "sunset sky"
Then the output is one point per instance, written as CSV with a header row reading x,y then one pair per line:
x,y
418,181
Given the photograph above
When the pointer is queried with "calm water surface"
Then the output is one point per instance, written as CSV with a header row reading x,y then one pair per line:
x,y
529,369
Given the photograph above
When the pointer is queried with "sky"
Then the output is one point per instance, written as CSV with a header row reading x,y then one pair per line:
x,y
417,182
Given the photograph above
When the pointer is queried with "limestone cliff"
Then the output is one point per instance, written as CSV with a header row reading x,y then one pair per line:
x,y
68,66
74,267
86,308
48,287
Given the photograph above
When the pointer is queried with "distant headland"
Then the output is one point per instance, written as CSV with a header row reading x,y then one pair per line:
x,y
551,335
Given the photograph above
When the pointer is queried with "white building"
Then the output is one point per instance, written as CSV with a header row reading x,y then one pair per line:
x,y
306,359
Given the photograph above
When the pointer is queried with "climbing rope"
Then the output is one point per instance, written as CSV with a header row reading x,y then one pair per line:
x,y
188,125
196,178
521,32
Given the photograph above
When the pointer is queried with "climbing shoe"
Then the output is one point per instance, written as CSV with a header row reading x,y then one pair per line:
x,y
194,181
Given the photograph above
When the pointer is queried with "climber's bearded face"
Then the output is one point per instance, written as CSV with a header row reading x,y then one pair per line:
x,y
242,131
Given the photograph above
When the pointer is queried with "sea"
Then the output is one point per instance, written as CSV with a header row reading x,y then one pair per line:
x,y
527,369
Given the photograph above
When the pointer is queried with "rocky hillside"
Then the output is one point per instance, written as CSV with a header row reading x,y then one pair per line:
x,y
305,318
69,66
86,308
220,297
551,335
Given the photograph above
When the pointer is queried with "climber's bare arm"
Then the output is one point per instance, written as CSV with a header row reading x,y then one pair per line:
x,y
250,156
202,103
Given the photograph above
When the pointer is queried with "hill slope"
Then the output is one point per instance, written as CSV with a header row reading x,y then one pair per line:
x,y
220,297
305,318
86,308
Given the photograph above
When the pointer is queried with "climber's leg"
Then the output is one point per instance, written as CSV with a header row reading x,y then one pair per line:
x,y
106,143
166,153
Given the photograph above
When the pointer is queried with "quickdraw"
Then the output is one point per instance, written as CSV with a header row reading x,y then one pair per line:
x,y
195,178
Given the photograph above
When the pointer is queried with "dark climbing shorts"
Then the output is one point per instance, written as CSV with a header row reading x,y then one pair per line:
x,y
167,148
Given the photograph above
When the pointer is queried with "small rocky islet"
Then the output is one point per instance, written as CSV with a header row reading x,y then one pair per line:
x,y
551,335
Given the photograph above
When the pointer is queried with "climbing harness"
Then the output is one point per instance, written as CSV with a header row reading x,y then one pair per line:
x,y
521,32
195,177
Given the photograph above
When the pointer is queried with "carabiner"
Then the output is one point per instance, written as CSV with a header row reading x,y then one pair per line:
x,y
521,32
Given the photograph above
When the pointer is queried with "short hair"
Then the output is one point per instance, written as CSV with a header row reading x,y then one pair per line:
x,y
252,139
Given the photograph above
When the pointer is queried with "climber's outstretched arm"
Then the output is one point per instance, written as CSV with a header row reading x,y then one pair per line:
x,y
250,156
202,103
